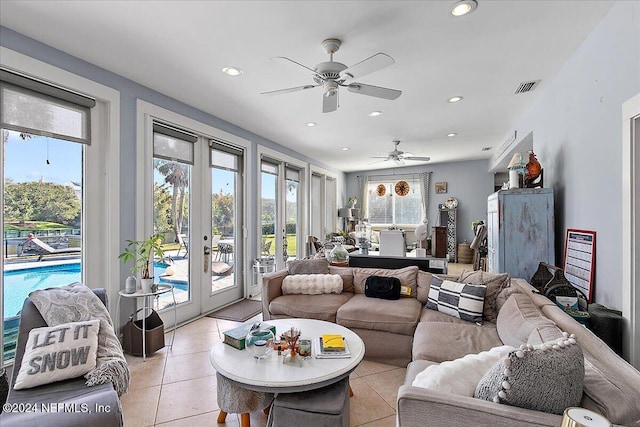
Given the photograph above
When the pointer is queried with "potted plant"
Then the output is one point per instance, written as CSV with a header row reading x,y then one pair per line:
x,y
142,253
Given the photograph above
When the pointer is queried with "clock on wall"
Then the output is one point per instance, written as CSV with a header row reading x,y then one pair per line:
x,y
402,188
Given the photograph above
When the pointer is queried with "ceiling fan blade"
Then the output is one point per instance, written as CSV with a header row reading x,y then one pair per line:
x,y
291,89
378,161
378,92
367,66
329,103
417,158
379,157
313,72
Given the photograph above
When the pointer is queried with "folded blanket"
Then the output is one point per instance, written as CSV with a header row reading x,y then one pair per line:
x,y
75,303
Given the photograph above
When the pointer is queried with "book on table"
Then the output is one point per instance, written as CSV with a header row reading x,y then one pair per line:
x,y
332,342
334,353
236,337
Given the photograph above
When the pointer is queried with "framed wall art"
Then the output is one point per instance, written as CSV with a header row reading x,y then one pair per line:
x,y
580,260
441,187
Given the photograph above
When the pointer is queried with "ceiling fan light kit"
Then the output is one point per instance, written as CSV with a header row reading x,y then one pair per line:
x,y
331,75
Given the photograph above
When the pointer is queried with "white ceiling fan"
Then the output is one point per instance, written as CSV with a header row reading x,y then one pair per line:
x,y
400,156
331,75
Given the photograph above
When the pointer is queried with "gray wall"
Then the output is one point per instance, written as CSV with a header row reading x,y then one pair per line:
x,y
577,135
469,182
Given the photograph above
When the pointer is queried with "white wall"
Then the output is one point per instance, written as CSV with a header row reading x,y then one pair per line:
x,y
576,137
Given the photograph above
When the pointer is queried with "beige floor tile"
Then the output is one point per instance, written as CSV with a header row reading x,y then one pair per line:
x,y
367,367
139,406
208,419
146,374
384,422
193,343
138,360
386,384
188,366
187,398
202,325
366,404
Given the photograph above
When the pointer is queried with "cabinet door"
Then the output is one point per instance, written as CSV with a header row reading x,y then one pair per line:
x,y
493,242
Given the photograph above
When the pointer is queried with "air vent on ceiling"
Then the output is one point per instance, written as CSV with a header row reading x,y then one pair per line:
x,y
486,148
527,86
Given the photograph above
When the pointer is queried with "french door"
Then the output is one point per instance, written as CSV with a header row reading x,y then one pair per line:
x,y
194,194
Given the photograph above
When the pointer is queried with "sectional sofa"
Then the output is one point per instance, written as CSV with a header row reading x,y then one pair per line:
x,y
405,332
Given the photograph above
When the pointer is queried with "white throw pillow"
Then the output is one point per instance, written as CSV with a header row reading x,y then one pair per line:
x,y
460,376
57,353
312,284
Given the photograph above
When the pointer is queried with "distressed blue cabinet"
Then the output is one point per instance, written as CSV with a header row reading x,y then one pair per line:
x,y
520,231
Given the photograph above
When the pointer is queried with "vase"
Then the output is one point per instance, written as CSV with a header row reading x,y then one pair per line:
x,y
259,342
339,255
130,285
146,285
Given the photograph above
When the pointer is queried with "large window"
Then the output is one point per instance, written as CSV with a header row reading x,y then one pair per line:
x,y
394,202
45,135
323,204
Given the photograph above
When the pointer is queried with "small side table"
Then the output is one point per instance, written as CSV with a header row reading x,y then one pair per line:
x,y
162,289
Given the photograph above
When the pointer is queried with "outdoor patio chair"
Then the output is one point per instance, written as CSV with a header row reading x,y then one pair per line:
x,y
36,246
266,246
183,240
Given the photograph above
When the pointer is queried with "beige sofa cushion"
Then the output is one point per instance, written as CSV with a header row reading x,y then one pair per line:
x,y
518,319
347,276
397,316
440,341
407,275
494,283
308,266
321,307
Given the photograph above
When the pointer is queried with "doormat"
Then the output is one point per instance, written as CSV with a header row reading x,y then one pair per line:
x,y
239,311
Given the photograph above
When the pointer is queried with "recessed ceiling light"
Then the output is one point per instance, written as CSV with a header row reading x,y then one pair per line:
x,y
375,113
232,71
451,134
463,7
456,98
310,124
345,148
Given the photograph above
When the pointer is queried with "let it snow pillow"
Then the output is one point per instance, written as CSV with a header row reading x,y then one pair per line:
x,y
58,353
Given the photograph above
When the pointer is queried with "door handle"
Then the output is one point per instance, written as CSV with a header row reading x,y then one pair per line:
x,y
205,261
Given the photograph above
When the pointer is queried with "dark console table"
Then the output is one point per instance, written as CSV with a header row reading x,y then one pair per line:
x,y
373,260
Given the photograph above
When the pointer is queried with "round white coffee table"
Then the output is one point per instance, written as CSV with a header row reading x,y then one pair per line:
x,y
273,376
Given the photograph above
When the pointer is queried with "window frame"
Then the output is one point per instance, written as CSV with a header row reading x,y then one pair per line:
x,y
413,183
101,201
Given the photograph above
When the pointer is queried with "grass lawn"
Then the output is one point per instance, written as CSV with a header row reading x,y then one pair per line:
x,y
34,225
291,243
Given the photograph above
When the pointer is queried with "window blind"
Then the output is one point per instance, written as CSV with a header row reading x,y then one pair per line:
x,y
39,108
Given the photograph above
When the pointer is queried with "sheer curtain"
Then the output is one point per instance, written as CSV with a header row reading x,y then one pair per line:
x,y
363,194
425,179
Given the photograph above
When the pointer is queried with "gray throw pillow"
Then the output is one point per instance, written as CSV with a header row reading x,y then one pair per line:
x,y
308,266
494,282
547,378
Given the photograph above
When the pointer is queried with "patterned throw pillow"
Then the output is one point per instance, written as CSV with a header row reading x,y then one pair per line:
x,y
457,299
547,378
495,284
312,284
308,266
57,353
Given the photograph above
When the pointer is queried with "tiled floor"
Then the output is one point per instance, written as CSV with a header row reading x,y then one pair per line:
x,y
178,387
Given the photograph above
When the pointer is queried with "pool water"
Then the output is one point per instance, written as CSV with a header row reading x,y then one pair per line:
x,y
19,283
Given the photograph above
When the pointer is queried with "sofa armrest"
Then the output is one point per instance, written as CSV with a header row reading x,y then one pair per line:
x,y
271,289
418,405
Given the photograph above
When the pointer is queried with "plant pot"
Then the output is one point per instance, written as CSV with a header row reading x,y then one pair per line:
x,y
146,285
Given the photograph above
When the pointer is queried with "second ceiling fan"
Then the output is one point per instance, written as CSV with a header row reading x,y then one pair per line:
x,y
400,156
332,75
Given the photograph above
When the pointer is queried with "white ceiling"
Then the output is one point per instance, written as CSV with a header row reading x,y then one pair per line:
x,y
179,48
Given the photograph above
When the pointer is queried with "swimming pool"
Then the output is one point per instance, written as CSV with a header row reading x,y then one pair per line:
x,y
18,283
